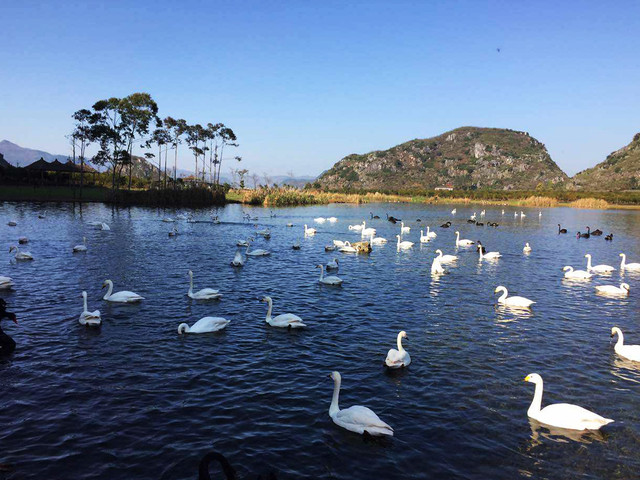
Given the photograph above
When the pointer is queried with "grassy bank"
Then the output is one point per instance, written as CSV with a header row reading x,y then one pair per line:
x,y
183,197
284,197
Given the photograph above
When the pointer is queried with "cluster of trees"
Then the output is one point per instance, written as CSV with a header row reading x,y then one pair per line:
x,y
116,125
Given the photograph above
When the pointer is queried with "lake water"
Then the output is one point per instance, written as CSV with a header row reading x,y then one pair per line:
x,y
135,400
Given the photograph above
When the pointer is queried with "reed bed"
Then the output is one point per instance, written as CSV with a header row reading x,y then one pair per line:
x,y
594,203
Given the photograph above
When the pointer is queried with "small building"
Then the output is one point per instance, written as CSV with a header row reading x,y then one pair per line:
x,y
447,187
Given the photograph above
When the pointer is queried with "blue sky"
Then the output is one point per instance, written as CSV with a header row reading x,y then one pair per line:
x,y
305,83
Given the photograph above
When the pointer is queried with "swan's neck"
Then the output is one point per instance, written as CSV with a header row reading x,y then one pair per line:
x,y
503,297
480,250
536,403
321,272
190,284
334,408
624,261
620,342
588,263
84,302
109,291
400,348
428,231
269,310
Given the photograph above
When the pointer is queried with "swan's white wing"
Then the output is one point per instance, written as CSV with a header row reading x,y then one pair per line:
x,y
632,352
287,319
566,415
125,296
209,324
206,292
365,419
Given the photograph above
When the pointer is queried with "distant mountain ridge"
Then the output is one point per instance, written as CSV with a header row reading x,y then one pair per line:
x,y
21,157
619,171
464,158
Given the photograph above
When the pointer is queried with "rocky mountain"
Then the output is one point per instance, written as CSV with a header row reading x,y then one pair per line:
x,y
619,171
21,157
464,158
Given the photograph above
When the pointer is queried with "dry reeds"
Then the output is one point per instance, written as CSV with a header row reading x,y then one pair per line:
x,y
594,203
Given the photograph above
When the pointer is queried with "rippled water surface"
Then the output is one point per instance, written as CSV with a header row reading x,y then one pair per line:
x,y
134,399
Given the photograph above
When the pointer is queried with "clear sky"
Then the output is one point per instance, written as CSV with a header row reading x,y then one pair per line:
x,y
304,83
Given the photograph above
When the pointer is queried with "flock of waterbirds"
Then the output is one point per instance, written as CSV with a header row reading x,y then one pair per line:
x,y
361,419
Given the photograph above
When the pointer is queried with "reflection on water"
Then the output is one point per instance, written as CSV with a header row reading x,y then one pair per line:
x,y
540,432
136,400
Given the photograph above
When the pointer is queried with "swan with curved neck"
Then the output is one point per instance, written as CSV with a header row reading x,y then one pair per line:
x,y
20,255
330,280
258,252
333,264
285,320
204,325
347,248
436,267
398,358
82,247
309,231
403,245
572,274
356,419
124,296
612,290
367,231
517,302
90,319
462,243
598,268
630,352
488,255
404,229
628,266
562,415
204,294
445,258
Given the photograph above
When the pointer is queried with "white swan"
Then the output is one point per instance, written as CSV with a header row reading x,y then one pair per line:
x,y
482,213
258,252
20,255
613,291
598,268
242,243
356,419
204,325
424,238
6,283
464,242
445,258
404,229
320,220
377,240
119,297
630,352
309,231
204,294
237,261
82,247
453,212
168,220
403,245
576,274
338,243
522,215
367,231
521,302
105,227
488,255
628,266
285,320
90,319
431,234
527,248
347,248
436,267
400,357
357,228
473,217
502,212
330,280
562,415
332,219
333,264
173,232
515,214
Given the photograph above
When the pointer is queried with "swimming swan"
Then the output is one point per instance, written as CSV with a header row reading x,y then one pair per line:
x,y
82,247
628,266
431,234
347,248
309,231
405,245
489,255
105,227
119,297
258,252
446,258
330,280
576,274
613,291
424,238
404,229
357,228
356,419
630,352
204,325
333,264
204,294
320,220
464,242
367,231
6,283
400,357
598,268
377,240
285,320
520,302
21,255
237,261
90,319
562,415
527,248
436,267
